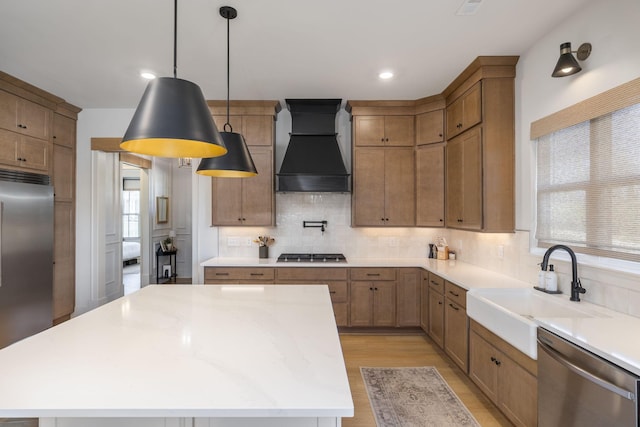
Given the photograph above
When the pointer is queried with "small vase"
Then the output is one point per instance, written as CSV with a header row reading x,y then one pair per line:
x,y
263,251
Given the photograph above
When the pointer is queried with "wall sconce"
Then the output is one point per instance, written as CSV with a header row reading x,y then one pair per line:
x,y
567,64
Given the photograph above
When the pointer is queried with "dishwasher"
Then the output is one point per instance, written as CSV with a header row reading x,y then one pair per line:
x,y
578,388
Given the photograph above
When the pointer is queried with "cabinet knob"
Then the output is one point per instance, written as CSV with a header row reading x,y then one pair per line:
x,y
439,302
381,139
55,137
493,359
375,289
386,139
370,289
441,220
386,219
440,135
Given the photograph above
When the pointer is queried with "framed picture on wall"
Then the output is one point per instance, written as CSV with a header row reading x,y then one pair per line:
x,y
162,210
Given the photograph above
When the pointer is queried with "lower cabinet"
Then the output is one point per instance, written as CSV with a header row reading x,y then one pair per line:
x,y
436,309
424,301
507,376
373,297
408,297
456,325
238,275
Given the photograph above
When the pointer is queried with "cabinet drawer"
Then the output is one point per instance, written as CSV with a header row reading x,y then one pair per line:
x,y
322,274
436,283
238,273
373,274
456,293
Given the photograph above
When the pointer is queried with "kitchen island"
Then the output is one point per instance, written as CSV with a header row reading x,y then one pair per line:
x,y
173,355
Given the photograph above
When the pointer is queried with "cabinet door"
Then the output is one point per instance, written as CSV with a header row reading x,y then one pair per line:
x,y
258,130
64,131
34,153
384,303
9,144
482,367
456,336
465,112
226,201
429,127
257,191
472,180
361,304
63,173
369,131
9,111
399,177
436,318
399,131
368,187
408,297
454,171
424,301
517,393
430,186
64,260
34,119
454,118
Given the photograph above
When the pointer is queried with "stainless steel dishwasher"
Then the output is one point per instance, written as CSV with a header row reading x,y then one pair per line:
x,y
578,388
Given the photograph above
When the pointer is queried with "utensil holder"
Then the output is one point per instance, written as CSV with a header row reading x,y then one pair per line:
x,y
263,251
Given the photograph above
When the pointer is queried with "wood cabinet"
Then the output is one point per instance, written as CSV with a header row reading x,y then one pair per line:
x,y
507,376
247,201
63,180
430,187
465,112
464,181
380,131
373,297
430,127
424,300
383,187
456,325
24,152
238,275
408,281
480,157
20,115
436,309
335,277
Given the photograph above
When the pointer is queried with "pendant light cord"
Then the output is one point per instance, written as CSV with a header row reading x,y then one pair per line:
x,y
175,39
228,124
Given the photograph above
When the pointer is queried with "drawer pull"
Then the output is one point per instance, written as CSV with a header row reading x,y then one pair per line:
x,y
332,292
257,274
435,283
454,294
222,274
373,274
454,307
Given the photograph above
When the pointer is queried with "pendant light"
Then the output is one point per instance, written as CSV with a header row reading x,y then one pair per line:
x,y
172,118
237,163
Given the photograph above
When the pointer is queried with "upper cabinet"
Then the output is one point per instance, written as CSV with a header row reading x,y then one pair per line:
x,y
480,159
247,201
465,112
381,131
430,127
25,117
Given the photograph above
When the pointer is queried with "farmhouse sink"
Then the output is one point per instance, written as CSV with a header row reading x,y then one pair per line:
x,y
510,313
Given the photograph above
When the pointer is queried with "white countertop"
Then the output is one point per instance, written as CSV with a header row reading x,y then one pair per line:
x,y
611,336
185,351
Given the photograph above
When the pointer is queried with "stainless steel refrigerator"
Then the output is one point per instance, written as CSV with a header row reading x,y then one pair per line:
x,y
26,255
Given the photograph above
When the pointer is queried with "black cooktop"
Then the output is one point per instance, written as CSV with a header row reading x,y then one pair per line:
x,y
312,258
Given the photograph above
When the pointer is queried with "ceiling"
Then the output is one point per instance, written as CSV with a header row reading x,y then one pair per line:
x,y
90,52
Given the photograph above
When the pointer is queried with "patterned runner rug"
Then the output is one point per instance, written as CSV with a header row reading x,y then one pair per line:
x,y
414,397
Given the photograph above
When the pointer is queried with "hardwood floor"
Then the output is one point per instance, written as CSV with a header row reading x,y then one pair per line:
x,y
408,350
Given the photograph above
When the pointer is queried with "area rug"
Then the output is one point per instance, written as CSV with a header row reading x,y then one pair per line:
x,y
414,397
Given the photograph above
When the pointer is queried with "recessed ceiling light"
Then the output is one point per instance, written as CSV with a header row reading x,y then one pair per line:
x,y
147,75
385,75
469,7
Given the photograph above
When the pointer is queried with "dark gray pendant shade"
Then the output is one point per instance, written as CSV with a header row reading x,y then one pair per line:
x,y
173,120
237,163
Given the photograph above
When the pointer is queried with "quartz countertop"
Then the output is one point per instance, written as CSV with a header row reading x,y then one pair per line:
x,y
465,275
185,351
609,336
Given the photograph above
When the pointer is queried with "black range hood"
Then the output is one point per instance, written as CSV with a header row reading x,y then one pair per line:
x,y
313,162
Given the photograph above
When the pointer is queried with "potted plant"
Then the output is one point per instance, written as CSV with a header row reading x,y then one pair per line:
x,y
263,245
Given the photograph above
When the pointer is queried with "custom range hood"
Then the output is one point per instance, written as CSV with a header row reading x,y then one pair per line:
x,y
313,162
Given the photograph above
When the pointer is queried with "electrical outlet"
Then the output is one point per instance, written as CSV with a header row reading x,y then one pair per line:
x,y
233,241
393,242
248,241
500,251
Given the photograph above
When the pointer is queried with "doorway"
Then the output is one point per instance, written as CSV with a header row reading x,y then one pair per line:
x,y
131,227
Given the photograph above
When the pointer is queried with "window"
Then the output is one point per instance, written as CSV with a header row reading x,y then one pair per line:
x,y
588,185
131,209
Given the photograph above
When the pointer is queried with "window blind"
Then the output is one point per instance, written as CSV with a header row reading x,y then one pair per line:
x,y
588,185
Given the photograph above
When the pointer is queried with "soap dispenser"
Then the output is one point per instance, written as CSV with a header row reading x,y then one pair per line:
x,y
551,280
542,275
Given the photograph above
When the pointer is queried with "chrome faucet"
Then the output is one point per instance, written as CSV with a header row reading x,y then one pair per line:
x,y
576,286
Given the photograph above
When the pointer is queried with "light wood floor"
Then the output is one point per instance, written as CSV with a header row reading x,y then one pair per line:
x,y
412,350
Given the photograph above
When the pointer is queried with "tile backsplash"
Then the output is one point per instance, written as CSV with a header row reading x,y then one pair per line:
x,y
506,253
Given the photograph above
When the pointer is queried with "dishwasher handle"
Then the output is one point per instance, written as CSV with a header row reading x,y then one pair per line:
x,y
585,374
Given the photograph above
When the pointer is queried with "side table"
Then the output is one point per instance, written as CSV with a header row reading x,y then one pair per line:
x,y
172,262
